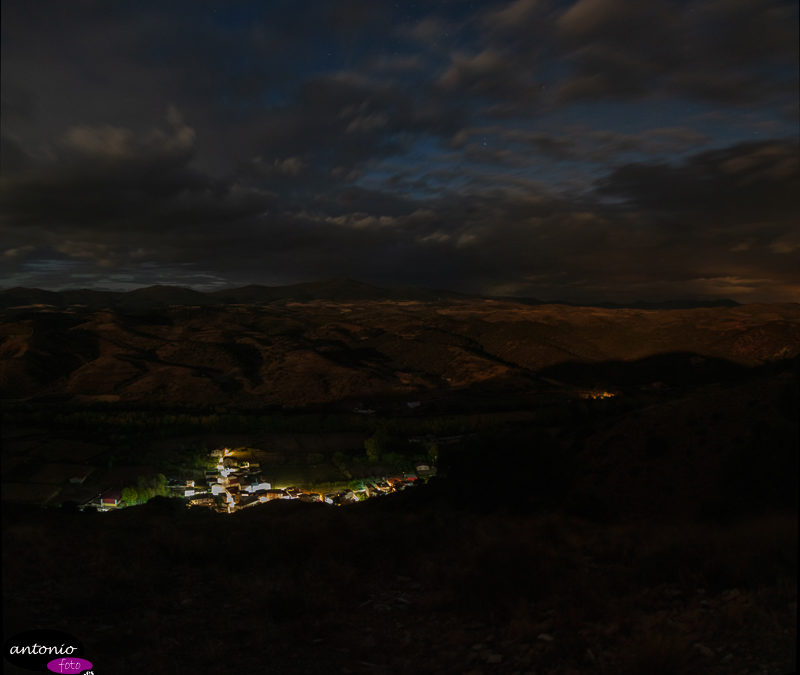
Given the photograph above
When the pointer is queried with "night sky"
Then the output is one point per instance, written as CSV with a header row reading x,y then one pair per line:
x,y
594,150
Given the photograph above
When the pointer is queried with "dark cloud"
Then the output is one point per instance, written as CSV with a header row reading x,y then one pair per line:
x,y
587,149
108,181
488,74
713,50
517,146
722,51
686,228
744,182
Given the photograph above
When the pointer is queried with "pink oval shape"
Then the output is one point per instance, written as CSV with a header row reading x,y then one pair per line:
x,y
69,664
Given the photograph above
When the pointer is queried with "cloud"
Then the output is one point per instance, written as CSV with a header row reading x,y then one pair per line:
x,y
111,179
527,144
106,143
646,229
514,146
426,31
754,180
513,14
18,252
345,120
717,51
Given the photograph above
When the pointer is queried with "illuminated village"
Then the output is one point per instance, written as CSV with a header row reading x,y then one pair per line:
x,y
234,484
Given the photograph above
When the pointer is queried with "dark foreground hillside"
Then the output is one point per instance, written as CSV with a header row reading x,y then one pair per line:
x,y
655,540
406,588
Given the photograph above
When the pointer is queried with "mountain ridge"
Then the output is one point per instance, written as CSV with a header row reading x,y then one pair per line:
x,y
336,289
320,352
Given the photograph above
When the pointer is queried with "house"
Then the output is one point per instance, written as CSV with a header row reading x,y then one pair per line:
x,y
425,470
248,500
253,483
349,497
269,495
110,499
203,500
249,483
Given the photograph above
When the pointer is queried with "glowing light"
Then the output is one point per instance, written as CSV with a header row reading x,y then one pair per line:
x,y
597,394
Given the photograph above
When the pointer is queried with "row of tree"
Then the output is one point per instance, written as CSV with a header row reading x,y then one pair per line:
x,y
146,488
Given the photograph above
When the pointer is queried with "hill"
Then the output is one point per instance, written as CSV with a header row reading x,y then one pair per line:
x,y
172,346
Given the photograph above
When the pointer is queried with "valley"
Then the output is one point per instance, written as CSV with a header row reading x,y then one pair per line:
x,y
614,491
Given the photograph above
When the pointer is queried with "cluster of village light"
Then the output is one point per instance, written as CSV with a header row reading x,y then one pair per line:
x,y
227,482
597,394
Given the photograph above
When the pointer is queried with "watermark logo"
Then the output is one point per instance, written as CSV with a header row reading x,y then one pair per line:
x,y
38,649
69,665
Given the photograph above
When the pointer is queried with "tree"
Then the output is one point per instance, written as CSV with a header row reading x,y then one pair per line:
x,y
339,460
130,496
376,445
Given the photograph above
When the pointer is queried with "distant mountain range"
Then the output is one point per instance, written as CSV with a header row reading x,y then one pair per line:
x,y
334,290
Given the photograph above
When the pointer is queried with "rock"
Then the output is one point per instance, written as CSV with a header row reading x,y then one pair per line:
x,y
545,637
494,658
